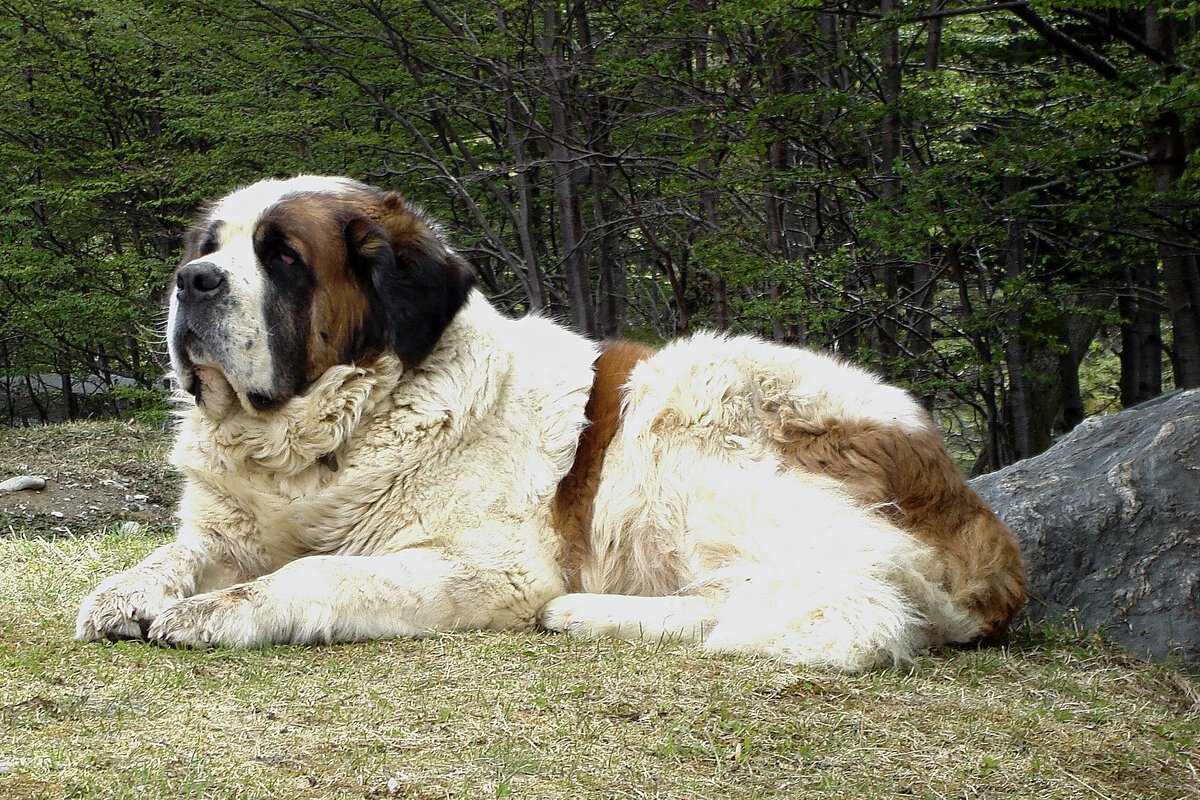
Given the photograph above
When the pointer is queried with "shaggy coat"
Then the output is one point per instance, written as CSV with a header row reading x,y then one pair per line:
x,y
371,451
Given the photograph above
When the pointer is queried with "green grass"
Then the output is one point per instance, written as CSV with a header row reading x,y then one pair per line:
x,y
1054,714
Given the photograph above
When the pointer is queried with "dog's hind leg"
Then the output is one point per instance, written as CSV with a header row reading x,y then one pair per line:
x,y
845,621
687,618
841,621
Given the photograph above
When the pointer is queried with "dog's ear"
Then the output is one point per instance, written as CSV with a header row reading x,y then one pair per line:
x,y
415,283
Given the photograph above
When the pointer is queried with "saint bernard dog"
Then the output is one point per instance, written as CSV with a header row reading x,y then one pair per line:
x,y
371,451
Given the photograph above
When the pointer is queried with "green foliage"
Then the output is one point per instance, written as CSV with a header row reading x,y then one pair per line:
x,y
146,406
730,164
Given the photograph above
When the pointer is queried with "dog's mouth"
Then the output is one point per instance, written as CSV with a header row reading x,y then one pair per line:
x,y
215,393
197,371
261,401
216,386
212,387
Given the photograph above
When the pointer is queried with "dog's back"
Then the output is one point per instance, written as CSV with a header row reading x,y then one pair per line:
x,y
812,507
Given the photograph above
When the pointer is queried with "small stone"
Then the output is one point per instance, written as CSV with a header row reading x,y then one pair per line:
x,y
57,514
129,528
6,769
23,483
398,785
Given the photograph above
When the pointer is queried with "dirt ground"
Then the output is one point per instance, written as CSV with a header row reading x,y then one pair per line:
x,y
96,474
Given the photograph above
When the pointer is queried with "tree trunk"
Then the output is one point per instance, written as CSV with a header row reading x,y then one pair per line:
x,y
517,133
1138,305
781,83
709,223
1167,152
886,272
6,370
1180,268
41,410
933,42
923,282
611,285
566,195
1020,405
844,331
70,403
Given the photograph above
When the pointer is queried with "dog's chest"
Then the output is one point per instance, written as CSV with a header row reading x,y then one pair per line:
x,y
380,494
355,502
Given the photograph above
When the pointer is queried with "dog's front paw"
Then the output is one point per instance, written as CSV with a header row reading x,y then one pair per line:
x,y
122,607
225,617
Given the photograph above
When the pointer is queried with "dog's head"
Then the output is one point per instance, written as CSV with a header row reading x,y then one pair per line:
x,y
283,279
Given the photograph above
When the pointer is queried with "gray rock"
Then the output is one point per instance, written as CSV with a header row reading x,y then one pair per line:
x,y
21,483
1109,521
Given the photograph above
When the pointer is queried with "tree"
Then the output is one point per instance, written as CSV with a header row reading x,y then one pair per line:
x,y
965,197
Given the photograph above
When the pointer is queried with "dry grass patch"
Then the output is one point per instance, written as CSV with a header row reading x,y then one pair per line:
x,y
535,716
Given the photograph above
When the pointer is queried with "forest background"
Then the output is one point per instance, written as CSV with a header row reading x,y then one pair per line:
x,y
994,204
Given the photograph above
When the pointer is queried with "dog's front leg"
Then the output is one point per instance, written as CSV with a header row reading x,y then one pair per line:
x,y
124,605
212,549
321,599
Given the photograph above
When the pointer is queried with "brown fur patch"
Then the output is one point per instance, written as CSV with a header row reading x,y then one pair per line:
x,y
312,225
405,229
912,477
236,593
575,499
381,276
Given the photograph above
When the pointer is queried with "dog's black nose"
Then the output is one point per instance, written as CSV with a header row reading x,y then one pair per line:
x,y
200,280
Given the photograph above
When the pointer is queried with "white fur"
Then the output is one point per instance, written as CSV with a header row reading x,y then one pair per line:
x,y
244,357
699,503
438,514
242,209
438,517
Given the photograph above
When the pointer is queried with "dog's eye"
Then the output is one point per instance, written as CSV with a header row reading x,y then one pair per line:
x,y
284,258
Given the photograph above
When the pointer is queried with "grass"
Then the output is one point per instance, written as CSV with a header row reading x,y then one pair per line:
x,y
1055,714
